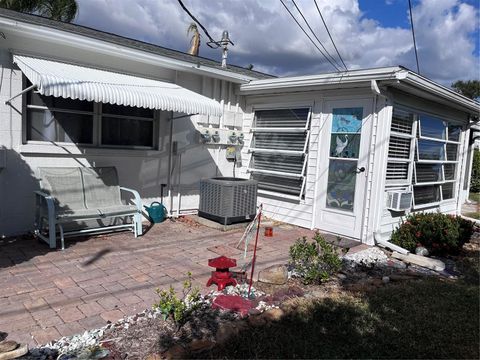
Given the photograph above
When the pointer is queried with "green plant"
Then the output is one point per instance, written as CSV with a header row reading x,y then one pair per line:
x,y
315,261
440,233
475,179
175,308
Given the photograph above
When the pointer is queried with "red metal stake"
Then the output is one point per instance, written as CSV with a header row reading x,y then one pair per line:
x,y
255,249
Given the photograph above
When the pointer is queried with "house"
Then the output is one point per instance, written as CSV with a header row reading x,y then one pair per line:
x,y
340,152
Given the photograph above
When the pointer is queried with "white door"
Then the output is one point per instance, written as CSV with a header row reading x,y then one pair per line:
x,y
344,149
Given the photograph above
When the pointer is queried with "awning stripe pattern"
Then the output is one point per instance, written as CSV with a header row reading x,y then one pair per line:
x,y
59,79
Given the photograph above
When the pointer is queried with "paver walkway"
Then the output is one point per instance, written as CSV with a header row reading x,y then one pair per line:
x,y
47,294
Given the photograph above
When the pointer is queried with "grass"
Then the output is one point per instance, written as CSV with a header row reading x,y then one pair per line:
x,y
473,215
474,197
430,318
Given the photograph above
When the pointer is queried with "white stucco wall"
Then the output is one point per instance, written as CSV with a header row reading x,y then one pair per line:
x,y
143,170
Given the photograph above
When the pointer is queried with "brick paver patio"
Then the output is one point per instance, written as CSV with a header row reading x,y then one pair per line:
x,y
47,294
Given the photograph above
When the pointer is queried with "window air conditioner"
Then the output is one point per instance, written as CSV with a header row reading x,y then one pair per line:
x,y
399,200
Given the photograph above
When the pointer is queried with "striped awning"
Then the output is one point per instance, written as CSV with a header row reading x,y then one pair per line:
x,y
64,80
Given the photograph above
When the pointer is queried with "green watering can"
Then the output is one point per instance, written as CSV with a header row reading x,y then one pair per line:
x,y
156,211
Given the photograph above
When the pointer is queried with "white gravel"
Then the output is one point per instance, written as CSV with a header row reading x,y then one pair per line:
x,y
370,257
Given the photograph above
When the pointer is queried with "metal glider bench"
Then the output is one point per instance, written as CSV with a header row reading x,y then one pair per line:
x,y
77,194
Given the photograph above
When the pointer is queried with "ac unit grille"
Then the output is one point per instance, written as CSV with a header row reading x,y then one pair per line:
x,y
399,200
228,200
405,200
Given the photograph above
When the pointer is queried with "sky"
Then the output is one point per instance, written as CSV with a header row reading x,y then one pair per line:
x,y
367,33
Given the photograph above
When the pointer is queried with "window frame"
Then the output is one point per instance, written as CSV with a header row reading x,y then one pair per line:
x,y
97,115
411,158
414,159
282,130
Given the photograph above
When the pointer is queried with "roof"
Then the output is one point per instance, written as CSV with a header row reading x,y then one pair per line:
x,y
127,42
58,79
397,77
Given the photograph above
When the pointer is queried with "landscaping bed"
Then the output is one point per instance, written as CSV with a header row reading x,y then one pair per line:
x,y
374,307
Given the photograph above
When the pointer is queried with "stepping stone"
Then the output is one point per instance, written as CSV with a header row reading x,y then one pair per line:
x,y
20,351
275,274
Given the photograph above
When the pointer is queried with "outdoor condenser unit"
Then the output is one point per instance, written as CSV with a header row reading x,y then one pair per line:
x,y
228,200
399,200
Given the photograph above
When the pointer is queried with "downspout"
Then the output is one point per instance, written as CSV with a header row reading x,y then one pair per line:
x,y
170,155
388,245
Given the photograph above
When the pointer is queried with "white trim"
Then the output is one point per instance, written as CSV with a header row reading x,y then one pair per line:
x,y
280,130
276,151
83,42
397,77
278,173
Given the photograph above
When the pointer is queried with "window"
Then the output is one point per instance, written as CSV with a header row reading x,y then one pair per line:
x,y
346,130
56,119
423,151
59,120
400,154
279,149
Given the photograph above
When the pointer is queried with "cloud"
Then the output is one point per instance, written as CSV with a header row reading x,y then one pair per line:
x,y
265,35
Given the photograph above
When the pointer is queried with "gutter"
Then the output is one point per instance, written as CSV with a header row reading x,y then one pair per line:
x,y
100,46
432,87
353,79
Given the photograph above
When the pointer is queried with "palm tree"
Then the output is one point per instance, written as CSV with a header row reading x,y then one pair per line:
x,y
61,10
19,5
195,41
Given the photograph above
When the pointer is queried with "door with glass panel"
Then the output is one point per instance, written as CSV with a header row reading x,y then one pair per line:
x,y
343,167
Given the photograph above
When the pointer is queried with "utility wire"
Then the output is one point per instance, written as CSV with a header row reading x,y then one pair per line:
x,y
413,34
314,34
308,36
198,22
328,31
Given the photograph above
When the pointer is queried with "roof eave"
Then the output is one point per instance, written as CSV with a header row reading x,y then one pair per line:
x,y
84,42
354,79
449,96
396,77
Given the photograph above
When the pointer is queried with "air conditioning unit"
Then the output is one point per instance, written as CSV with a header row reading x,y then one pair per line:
x,y
228,200
399,200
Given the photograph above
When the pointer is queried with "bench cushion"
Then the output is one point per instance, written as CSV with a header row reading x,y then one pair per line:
x,y
101,187
65,185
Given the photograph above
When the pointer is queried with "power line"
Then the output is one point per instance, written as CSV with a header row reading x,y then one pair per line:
x,y
314,34
198,22
308,36
333,42
413,34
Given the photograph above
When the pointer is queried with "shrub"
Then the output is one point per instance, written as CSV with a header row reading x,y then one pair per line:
x,y
475,179
441,234
178,309
315,261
